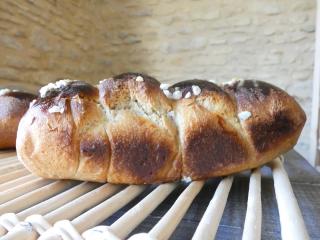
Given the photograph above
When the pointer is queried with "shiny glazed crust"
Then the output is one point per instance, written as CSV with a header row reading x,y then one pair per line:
x,y
13,104
126,130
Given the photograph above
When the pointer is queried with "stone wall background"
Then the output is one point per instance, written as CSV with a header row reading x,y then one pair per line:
x,y
271,40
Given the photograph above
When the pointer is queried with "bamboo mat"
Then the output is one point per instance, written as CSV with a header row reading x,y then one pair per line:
x,y
249,205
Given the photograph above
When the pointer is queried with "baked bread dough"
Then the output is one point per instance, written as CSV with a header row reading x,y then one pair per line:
x,y
130,129
13,104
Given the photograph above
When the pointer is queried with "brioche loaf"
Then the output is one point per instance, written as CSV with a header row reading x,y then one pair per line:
x,y
130,129
13,104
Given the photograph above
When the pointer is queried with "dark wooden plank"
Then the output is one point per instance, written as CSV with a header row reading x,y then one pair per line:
x,y
305,182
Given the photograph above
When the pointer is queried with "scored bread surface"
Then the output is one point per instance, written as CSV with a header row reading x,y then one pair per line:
x,y
130,129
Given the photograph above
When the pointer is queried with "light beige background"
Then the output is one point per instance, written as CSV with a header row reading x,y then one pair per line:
x,y
42,41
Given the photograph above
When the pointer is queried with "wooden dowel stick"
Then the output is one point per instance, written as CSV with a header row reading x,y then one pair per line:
x,y
131,219
20,190
106,208
10,167
292,224
68,211
86,201
13,175
58,200
209,223
168,223
17,182
252,224
35,196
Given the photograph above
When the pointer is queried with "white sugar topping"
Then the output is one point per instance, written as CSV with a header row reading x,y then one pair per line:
x,y
44,90
32,102
57,108
164,86
186,179
196,90
101,81
188,95
240,84
54,86
139,79
234,80
167,93
5,91
244,115
177,95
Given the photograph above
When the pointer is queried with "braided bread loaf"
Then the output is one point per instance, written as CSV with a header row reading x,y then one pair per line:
x,y
130,129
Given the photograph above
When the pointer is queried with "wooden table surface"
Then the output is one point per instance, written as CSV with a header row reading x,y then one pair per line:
x,y
305,181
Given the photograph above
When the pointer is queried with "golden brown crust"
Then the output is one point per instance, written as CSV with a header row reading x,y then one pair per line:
x,y
46,142
210,134
139,130
13,104
61,135
211,147
276,117
127,131
93,142
134,142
